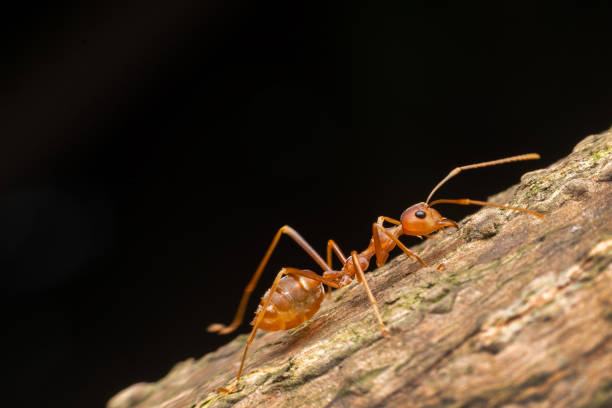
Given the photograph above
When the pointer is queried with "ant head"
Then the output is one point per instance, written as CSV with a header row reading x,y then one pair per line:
x,y
421,219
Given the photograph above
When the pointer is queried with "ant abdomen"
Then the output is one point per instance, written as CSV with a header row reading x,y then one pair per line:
x,y
295,300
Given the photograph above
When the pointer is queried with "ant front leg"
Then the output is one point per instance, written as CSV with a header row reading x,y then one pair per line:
x,y
382,253
293,234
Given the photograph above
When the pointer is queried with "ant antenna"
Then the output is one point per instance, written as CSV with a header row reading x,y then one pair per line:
x,y
529,156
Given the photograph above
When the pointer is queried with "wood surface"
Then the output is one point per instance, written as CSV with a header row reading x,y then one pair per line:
x,y
520,316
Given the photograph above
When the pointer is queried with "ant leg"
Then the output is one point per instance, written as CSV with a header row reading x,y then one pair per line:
x,y
223,329
255,326
381,254
331,245
397,241
310,275
260,315
362,278
467,201
388,219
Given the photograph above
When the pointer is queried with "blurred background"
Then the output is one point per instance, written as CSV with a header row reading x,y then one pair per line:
x,y
150,150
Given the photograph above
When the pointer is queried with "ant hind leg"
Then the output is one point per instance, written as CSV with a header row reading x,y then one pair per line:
x,y
238,317
260,316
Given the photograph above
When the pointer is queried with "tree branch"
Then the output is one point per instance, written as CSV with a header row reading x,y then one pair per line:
x,y
521,314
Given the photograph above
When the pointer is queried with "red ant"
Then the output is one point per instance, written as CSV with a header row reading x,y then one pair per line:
x,y
296,294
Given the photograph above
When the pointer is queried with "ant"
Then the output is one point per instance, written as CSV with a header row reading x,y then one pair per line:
x,y
296,294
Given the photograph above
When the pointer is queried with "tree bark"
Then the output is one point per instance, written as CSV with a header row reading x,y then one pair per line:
x,y
520,316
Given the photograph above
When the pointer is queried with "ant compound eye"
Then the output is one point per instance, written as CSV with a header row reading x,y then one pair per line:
x,y
420,214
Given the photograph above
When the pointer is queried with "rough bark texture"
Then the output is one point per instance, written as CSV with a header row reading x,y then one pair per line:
x,y
521,316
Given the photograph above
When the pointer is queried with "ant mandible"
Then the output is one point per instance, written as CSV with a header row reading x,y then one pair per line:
x,y
296,294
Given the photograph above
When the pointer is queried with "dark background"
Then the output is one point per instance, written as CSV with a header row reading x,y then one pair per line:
x,y
150,150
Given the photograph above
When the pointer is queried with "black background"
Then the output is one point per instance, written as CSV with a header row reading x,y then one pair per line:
x,y
150,150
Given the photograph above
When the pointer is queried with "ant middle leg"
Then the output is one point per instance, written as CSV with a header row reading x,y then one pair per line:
x,y
381,253
363,280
